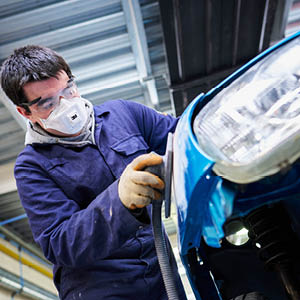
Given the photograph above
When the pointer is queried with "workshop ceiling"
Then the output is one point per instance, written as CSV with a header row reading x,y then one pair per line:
x,y
208,40
161,53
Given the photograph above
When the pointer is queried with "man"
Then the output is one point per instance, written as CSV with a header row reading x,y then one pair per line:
x,y
81,181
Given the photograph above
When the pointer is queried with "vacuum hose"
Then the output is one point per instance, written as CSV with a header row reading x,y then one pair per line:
x,y
162,252
164,258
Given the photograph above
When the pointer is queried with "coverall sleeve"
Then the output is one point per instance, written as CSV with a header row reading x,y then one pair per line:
x,y
154,125
68,234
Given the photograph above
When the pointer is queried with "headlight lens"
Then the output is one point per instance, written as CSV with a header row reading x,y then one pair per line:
x,y
252,128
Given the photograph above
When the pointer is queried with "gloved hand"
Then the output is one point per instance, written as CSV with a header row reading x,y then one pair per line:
x,y
137,187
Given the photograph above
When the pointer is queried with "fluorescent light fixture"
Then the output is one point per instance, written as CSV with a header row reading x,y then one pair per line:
x,y
10,283
30,292
251,129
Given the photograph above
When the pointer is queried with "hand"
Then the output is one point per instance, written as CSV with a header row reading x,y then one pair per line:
x,y
137,187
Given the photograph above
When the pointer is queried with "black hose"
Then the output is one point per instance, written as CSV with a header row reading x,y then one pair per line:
x,y
162,252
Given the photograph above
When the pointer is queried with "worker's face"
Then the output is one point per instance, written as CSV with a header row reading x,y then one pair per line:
x,y
49,91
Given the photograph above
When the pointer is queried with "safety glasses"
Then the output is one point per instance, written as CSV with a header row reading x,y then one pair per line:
x,y
40,105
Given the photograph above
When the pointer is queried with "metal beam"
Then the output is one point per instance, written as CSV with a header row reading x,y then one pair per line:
x,y
11,236
137,35
237,15
14,219
179,40
281,20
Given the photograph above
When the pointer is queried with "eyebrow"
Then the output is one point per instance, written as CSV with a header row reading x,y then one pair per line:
x,y
34,101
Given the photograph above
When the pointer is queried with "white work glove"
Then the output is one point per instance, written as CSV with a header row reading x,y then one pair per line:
x,y
137,187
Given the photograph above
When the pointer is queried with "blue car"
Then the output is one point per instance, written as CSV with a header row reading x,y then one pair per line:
x,y
236,181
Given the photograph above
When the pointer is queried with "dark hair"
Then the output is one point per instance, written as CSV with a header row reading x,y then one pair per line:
x,y
27,64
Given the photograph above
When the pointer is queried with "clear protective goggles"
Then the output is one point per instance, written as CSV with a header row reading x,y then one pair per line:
x,y
41,105
251,129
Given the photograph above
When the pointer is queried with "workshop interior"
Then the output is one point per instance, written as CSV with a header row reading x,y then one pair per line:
x,y
230,69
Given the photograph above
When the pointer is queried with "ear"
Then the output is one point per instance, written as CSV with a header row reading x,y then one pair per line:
x,y
24,112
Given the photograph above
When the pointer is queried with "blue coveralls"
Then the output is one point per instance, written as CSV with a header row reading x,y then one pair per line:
x,y
70,194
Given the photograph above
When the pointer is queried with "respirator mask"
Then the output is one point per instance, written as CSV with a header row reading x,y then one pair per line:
x,y
68,117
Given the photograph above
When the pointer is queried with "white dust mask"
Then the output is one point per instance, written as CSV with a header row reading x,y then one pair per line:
x,y
68,117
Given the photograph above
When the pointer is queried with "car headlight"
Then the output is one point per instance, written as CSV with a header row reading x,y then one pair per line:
x,y
251,129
